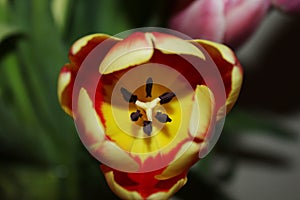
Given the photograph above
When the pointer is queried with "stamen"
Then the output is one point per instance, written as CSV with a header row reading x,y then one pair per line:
x,y
147,127
166,97
128,96
149,84
134,116
163,118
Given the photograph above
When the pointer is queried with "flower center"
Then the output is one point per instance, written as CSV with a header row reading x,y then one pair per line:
x,y
148,107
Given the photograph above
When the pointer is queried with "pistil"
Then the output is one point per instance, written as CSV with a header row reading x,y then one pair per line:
x,y
148,107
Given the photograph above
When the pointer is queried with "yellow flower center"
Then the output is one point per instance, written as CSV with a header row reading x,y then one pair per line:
x,y
149,117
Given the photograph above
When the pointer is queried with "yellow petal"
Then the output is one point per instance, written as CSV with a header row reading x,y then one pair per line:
x,y
92,135
133,50
236,82
170,44
202,112
225,51
185,158
138,48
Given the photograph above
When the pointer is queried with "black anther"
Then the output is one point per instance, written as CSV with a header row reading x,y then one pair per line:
x,y
128,96
163,118
134,116
166,97
147,127
149,84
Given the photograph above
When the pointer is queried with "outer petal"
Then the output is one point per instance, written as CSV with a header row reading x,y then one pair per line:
x,y
78,52
133,50
138,48
65,87
82,47
93,135
138,186
200,126
202,112
229,67
169,44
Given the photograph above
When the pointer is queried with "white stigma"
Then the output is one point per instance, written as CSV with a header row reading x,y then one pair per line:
x,y
148,106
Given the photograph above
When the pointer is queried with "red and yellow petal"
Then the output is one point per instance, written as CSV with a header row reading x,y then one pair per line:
x,y
169,44
138,186
83,46
138,48
200,127
65,87
78,52
229,68
93,135
133,50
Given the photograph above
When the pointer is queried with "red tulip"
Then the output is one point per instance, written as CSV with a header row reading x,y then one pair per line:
x,y
142,109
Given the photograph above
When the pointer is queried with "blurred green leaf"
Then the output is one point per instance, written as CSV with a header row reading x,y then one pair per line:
x,y
61,13
31,183
7,31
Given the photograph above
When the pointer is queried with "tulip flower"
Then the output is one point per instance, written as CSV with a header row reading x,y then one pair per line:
x,y
146,106
289,6
225,21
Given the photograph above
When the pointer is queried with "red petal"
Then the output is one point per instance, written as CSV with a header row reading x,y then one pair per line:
x,y
78,52
229,68
143,183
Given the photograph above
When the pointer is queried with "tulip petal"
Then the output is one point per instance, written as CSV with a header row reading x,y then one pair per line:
x,y
83,46
199,126
142,185
118,189
229,67
78,52
65,87
169,44
133,50
202,112
185,158
139,47
93,136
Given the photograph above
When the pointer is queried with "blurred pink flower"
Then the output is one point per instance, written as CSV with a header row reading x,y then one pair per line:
x,y
225,21
290,6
